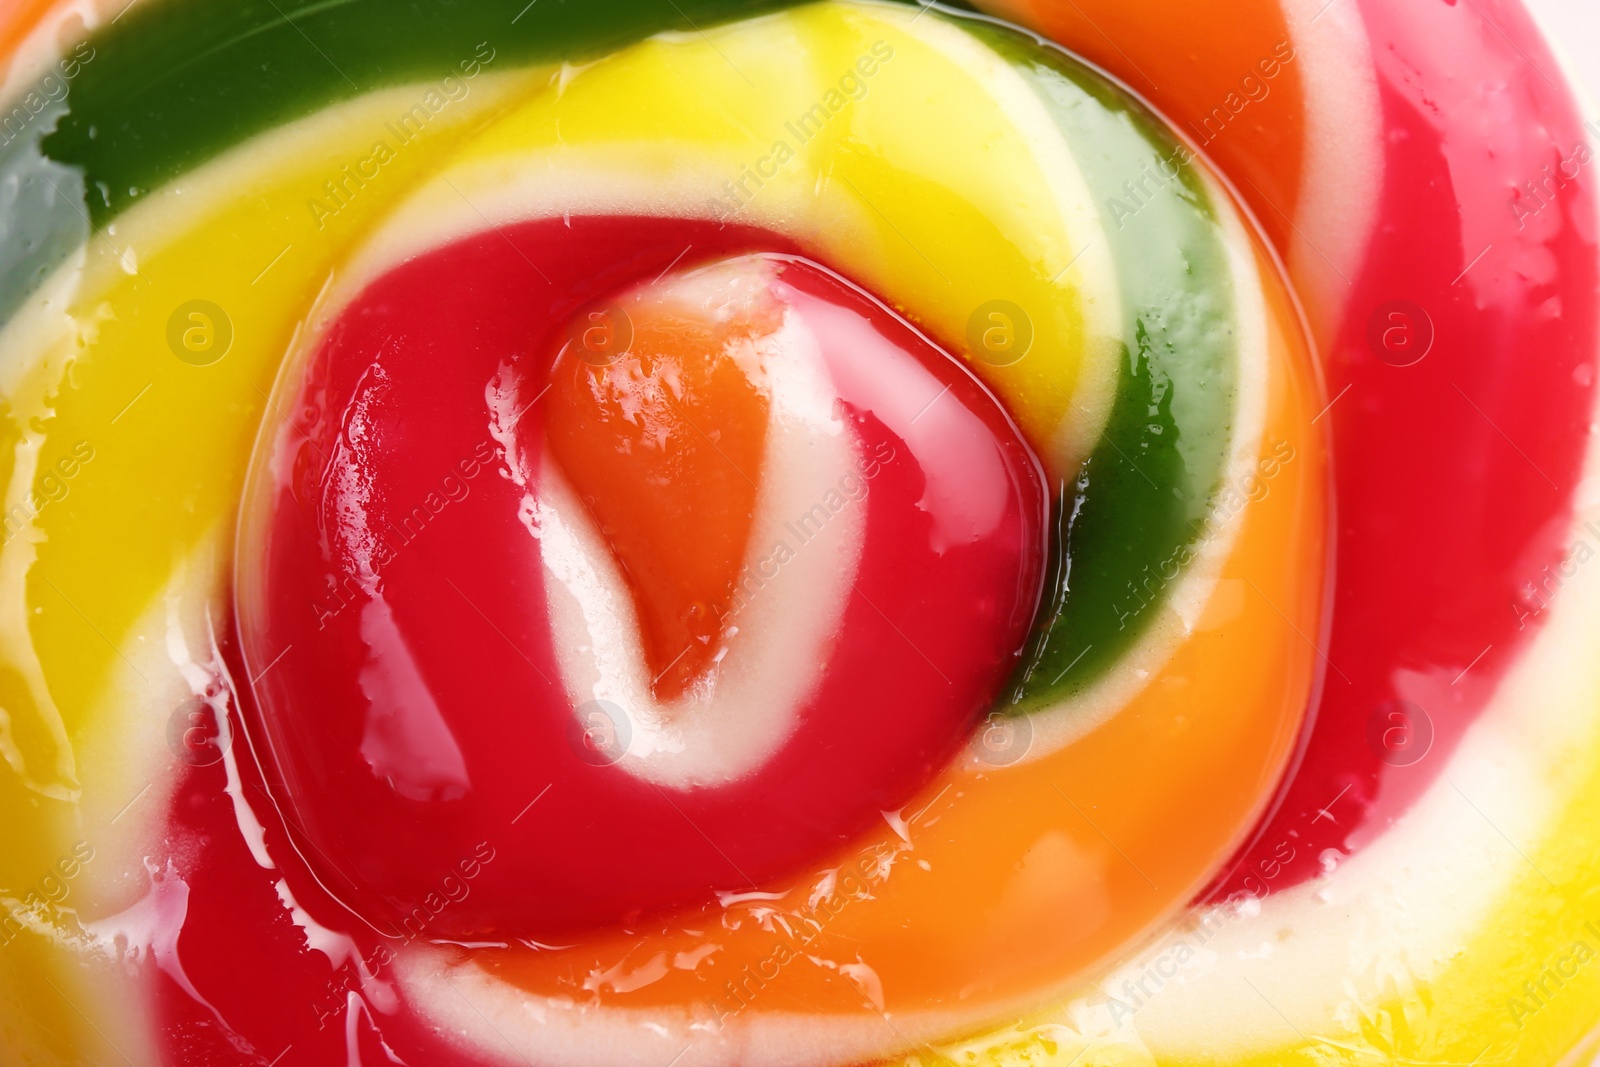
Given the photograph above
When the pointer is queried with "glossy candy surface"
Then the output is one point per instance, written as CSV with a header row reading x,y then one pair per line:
x,y
796,534
421,701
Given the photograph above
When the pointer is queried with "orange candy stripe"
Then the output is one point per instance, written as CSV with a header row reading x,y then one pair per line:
x,y
664,445
20,18
1192,64
1036,873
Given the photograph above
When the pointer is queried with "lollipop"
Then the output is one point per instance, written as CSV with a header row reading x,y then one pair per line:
x,y
759,534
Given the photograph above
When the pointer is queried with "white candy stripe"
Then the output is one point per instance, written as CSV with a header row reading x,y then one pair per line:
x,y
1342,172
1177,619
790,601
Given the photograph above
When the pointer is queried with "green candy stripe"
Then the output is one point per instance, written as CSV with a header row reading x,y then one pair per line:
x,y
176,83
1125,524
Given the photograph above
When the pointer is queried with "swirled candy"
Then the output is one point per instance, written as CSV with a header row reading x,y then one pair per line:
x,y
751,534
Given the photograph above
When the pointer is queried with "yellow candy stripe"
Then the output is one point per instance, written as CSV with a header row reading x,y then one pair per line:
x,y
1468,933
121,362
900,149
169,439
82,573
